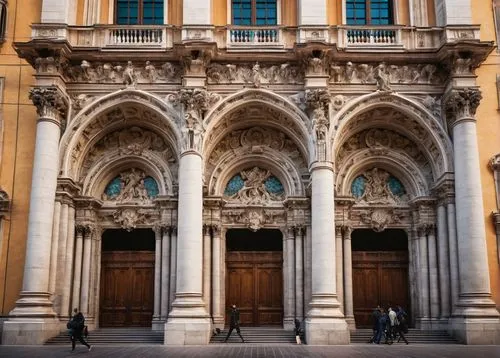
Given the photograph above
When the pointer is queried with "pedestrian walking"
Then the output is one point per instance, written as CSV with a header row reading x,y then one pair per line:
x,y
234,323
392,323
298,331
402,326
375,317
76,326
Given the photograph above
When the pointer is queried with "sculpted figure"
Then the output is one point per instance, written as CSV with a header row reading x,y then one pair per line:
x,y
382,78
129,77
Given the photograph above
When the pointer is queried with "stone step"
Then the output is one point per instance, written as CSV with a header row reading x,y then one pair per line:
x,y
267,335
413,336
107,336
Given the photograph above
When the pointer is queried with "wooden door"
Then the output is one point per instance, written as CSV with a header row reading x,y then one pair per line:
x,y
127,288
378,278
255,284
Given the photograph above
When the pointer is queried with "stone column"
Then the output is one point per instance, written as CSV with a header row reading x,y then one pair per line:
x,y
54,247
308,268
78,265
165,274
61,256
87,245
476,320
433,275
325,323
348,304
156,326
98,249
70,243
207,258
453,251
173,266
33,319
188,322
424,276
339,257
218,317
414,274
299,274
444,263
289,278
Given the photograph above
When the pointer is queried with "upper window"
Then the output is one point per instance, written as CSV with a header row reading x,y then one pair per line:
x,y
139,12
496,17
255,12
3,19
369,12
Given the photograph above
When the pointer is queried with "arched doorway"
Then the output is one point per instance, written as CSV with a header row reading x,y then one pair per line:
x,y
127,278
379,272
254,280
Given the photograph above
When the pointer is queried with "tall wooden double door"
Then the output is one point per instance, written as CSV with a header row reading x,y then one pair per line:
x,y
378,278
254,282
127,288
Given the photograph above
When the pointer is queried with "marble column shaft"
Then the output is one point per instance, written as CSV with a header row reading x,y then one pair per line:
x,y
70,242
207,258
299,274
453,254
444,264
348,303
158,266
61,257
78,266
339,268
308,268
87,246
288,275
165,273
216,277
424,274
55,247
433,273
173,266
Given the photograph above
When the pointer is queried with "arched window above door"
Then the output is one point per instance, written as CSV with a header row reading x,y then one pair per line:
x,y
139,12
369,12
254,12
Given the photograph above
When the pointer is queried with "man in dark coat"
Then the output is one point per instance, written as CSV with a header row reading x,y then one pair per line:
x,y
234,322
77,325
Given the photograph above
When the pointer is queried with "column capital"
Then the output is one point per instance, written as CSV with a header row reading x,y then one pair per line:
x,y
50,104
495,162
347,231
461,104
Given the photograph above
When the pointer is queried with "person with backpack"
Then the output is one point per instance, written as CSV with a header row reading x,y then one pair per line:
x,y
76,326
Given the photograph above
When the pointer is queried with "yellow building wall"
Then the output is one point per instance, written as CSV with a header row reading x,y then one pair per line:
x,y
488,128
18,141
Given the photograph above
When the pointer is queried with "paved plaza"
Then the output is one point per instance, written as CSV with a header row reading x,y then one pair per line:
x,y
258,351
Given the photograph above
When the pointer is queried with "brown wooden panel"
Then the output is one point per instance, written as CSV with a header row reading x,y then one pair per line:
x,y
127,288
379,277
255,284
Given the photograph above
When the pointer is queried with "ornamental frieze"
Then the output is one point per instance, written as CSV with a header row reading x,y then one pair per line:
x,y
254,219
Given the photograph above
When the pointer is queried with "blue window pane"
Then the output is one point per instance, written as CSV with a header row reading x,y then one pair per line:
x,y
151,187
274,186
358,186
114,188
395,186
234,185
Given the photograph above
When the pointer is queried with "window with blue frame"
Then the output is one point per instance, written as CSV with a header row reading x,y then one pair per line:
x,y
369,12
255,12
139,12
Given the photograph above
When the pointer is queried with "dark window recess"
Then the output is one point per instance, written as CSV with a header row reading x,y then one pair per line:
x,y
3,19
247,240
254,12
139,12
123,240
369,12
387,240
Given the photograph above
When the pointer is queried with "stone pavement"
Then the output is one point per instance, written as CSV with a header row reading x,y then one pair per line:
x,y
258,351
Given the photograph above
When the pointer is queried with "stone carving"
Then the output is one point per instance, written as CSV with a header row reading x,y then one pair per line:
x,y
376,190
255,219
4,201
196,102
196,61
384,75
462,66
123,73
129,218
49,102
132,188
81,100
317,101
379,219
433,104
254,190
48,64
463,103
256,74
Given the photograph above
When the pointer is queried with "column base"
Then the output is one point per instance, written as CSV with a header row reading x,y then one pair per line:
x,y
327,331
476,321
351,323
218,322
158,325
29,331
187,331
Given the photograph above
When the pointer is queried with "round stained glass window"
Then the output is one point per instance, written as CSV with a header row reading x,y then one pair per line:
x,y
274,186
358,186
234,185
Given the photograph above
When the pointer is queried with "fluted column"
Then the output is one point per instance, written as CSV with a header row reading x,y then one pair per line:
x,y
157,288
340,267
475,311
165,273
299,274
433,274
54,247
34,302
218,317
424,276
87,245
444,263
325,323
207,258
173,266
78,265
348,303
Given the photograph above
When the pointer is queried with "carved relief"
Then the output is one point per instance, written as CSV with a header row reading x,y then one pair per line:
x,y
379,219
81,100
132,187
49,102
254,219
317,102
254,190
256,74
125,73
377,190
129,218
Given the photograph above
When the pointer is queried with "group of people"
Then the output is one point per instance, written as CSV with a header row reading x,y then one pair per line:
x,y
390,324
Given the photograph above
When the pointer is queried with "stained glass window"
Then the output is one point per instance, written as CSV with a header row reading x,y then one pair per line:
x,y
114,188
143,12
358,186
151,187
395,186
373,12
234,185
274,186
